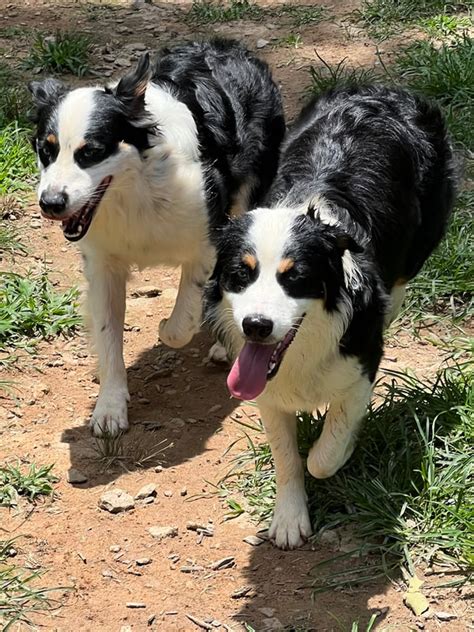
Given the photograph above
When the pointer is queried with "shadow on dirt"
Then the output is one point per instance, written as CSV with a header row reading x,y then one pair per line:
x,y
172,415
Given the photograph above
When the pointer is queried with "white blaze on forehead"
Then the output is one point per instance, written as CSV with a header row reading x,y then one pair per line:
x,y
74,114
270,235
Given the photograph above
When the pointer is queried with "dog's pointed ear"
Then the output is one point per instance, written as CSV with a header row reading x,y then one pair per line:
x,y
130,90
46,93
344,241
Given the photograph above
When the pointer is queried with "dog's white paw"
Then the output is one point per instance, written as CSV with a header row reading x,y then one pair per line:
x,y
324,461
110,415
291,525
218,354
175,336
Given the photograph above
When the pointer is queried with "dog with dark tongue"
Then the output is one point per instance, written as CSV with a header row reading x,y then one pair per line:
x,y
304,288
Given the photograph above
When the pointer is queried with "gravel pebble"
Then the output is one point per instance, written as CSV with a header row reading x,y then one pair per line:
x,y
160,533
146,491
135,604
253,540
116,500
143,561
76,477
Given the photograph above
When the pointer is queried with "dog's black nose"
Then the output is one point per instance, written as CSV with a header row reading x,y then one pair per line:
x,y
53,203
256,327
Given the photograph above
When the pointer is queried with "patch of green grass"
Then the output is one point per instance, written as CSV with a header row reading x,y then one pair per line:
x,y
291,41
326,76
9,240
406,494
382,18
446,282
33,483
301,15
444,25
445,73
17,160
14,99
20,595
210,12
61,53
31,309
14,32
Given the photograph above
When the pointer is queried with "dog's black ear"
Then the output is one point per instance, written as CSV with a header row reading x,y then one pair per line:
x,y
344,241
46,93
130,90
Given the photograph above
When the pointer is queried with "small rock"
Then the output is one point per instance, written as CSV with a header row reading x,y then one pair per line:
x,y
147,291
107,573
136,46
135,604
225,562
168,493
183,492
272,624
445,616
214,409
143,561
158,469
241,592
76,477
122,62
160,533
36,223
115,548
126,628
146,491
116,500
177,422
268,612
261,43
253,540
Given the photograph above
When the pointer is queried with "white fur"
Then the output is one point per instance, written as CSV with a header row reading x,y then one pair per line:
x,y
397,296
154,212
313,374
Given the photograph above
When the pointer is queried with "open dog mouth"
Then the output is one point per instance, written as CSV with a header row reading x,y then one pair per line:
x,y
257,364
76,226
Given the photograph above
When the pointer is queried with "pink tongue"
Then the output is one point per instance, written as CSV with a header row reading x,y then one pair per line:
x,y
248,376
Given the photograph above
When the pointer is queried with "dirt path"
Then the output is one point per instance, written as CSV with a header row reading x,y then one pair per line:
x,y
84,547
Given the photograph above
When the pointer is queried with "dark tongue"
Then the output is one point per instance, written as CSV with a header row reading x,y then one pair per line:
x,y
248,376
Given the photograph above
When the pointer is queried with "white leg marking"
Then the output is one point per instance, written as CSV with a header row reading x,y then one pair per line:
x,y
290,524
337,440
218,354
106,303
186,317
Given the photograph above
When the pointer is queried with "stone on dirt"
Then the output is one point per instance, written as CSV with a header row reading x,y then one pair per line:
x,y
261,43
146,491
143,561
76,477
160,533
135,604
148,291
116,500
253,540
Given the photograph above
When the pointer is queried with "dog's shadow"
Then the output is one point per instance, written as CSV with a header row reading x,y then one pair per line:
x,y
178,401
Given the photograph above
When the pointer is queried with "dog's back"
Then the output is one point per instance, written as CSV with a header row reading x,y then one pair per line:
x,y
380,156
238,114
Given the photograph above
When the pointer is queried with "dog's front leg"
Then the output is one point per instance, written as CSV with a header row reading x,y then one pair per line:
x,y
290,523
186,317
106,305
337,440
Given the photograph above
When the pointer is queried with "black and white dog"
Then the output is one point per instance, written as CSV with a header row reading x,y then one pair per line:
x,y
303,289
144,172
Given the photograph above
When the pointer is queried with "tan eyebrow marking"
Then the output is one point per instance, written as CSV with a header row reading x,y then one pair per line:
x,y
52,138
250,261
285,265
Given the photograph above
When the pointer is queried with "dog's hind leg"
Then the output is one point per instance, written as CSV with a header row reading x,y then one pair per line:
x,y
186,317
337,440
397,296
290,523
106,304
